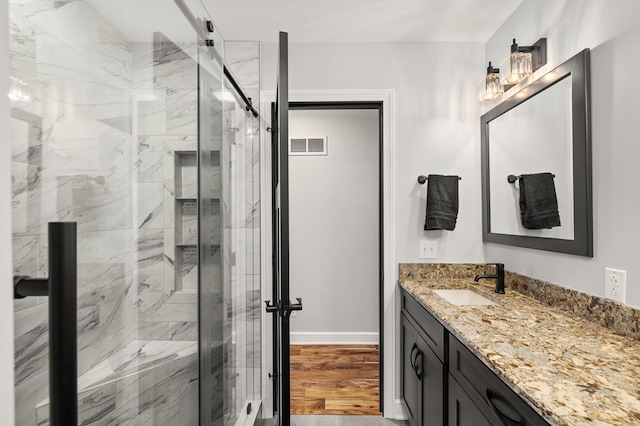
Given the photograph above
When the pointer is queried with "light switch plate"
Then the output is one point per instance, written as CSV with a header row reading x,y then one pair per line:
x,y
615,285
428,249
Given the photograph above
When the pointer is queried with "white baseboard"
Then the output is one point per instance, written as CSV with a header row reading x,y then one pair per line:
x,y
334,338
399,412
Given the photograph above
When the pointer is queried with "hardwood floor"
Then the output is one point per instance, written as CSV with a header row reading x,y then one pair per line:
x,y
335,379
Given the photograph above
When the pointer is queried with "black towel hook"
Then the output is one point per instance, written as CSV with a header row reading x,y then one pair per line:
x,y
422,179
513,178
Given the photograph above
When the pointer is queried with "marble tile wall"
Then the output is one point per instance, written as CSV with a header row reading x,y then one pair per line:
x,y
146,382
92,122
101,133
72,152
165,98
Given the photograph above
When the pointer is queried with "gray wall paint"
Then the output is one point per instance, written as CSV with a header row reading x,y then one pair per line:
x,y
611,33
436,124
334,222
6,296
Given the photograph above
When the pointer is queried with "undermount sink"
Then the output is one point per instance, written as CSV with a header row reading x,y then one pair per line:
x,y
463,297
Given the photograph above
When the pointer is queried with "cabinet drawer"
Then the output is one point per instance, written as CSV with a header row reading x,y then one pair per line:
x,y
495,398
432,330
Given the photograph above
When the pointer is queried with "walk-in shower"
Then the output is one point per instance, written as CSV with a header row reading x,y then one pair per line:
x,y
124,121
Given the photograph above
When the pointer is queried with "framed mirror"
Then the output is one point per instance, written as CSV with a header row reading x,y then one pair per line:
x,y
542,129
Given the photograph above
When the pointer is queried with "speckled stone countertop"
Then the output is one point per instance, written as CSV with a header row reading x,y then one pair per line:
x,y
571,371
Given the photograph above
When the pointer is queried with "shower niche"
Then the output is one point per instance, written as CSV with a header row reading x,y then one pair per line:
x,y
186,220
186,216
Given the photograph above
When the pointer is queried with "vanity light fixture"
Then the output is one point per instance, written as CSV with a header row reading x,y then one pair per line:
x,y
522,62
492,85
525,60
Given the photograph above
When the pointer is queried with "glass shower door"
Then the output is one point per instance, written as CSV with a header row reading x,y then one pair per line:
x,y
213,374
229,280
104,133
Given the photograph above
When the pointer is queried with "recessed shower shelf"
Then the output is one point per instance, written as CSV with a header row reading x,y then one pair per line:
x,y
186,245
217,197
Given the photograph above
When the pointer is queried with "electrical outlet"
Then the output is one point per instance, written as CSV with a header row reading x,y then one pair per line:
x,y
428,249
615,285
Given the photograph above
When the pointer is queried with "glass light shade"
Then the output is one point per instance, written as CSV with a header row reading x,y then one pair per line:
x,y
519,66
492,86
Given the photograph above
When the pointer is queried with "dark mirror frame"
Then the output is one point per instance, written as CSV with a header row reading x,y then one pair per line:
x,y
578,68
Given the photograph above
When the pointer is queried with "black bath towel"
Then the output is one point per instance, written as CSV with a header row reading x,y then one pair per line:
x,y
442,203
538,202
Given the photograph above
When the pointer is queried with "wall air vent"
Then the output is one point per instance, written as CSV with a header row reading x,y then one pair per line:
x,y
308,146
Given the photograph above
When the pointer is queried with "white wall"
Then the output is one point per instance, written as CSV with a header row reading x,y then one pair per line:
x,y
6,289
611,31
436,123
334,208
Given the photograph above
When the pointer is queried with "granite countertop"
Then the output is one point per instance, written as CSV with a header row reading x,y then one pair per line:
x,y
571,371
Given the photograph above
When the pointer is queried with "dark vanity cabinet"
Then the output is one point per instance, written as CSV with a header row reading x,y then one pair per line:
x,y
482,392
443,383
424,371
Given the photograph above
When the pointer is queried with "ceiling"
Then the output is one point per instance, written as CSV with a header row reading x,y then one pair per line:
x,y
344,21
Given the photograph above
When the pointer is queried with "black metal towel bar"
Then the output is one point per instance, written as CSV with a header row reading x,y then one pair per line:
x,y
513,178
422,179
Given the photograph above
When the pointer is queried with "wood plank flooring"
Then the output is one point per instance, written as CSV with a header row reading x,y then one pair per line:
x,y
335,379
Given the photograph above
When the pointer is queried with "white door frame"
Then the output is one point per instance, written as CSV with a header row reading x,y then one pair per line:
x,y
392,407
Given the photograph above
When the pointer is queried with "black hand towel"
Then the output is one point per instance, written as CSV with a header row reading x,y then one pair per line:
x,y
442,203
538,202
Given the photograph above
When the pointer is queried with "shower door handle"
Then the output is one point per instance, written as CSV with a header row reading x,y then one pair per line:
x,y
61,287
296,306
271,308
284,309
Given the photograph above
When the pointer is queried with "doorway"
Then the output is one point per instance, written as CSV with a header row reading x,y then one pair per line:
x,y
336,251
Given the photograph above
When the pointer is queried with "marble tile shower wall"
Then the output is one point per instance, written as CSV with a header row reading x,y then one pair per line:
x,y
95,120
165,86
72,156
99,136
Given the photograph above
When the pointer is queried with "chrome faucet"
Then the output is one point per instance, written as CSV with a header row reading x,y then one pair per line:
x,y
499,277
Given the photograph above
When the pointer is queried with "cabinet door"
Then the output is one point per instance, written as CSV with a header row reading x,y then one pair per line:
x,y
410,385
432,375
462,410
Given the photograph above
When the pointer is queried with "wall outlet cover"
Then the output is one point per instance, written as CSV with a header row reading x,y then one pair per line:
x,y
615,285
428,249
